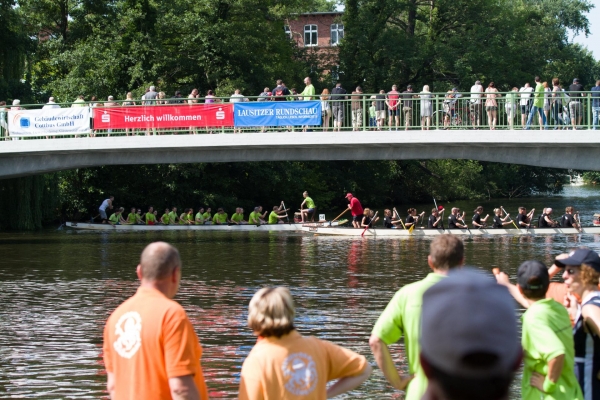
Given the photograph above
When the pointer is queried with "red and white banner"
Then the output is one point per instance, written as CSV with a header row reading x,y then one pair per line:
x,y
179,116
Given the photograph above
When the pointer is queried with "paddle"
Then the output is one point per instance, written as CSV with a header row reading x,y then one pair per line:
x,y
511,220
399,219
369,224
578,220
338,217
532,214
286,212
463,221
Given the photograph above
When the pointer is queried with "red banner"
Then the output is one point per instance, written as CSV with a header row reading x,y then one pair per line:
x,y
179,116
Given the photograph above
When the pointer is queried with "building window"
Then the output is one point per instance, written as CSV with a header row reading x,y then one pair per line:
x,y
337,34
288,31
310,35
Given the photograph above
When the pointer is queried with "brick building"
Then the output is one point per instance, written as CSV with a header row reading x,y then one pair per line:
x,y
319,33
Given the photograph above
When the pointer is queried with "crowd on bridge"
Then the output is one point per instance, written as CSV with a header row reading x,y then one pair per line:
x,y
548,102
458,324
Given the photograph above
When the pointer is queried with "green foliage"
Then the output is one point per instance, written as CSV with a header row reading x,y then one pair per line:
x,y
28,202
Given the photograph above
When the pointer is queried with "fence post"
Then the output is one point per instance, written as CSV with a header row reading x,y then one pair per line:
x,y
365,110
589,110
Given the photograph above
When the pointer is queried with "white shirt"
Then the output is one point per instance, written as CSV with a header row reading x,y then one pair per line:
x,y
104,205
50,105
476,93
525,95
236,98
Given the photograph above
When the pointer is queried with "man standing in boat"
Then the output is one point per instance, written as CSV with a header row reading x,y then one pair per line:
x,y
107,203
568,220
356,210
455,220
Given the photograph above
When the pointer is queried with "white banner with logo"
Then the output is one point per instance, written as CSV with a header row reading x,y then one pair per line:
x,y
50,121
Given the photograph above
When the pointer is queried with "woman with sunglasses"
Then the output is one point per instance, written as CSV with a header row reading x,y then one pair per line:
x,y
581,276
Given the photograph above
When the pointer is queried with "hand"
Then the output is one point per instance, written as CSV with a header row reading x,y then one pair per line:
x,y
502,279
571,304
507,215
537,381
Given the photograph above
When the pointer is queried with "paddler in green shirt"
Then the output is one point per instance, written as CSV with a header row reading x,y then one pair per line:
x,y
538,104
275,217
402,317
116,219
200,216
184,217
207,215
190,217
132,218
310,206
220,217
166,218
150,217
255,218
173,217
238,217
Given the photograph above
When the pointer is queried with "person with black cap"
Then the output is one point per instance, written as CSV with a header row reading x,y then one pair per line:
x,y
469,338
549,352
575,106
581,276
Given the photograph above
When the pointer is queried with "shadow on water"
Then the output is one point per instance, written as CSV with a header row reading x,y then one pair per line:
x,y
58,287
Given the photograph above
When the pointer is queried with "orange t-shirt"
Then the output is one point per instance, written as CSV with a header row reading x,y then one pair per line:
x,y
295,367
147,340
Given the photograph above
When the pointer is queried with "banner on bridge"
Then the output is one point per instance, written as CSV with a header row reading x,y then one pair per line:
x,y
179,116
52,121
278,113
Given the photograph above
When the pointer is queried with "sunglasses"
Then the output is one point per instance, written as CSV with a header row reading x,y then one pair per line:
x,y
571,271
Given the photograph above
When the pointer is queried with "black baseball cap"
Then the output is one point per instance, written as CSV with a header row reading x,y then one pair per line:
x,y
580,256
533,269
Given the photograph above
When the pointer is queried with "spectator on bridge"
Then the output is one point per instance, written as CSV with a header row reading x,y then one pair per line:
x,y
393,105
264,96
525,94
177,98
511,107
426,108
338,95
538,105
161,98
236,97
380,109
150,96
129,101
325,108
357,108
50,104
407,106
596,103
210,98
475,106
111,102
575,106
3,113
79,102
557,104
491,105
280,92
309,91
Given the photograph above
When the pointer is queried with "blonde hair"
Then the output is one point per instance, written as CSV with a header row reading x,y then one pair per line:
x,y
589,276
271,312
366,211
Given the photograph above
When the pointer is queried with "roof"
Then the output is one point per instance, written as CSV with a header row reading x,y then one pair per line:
x,y
323,13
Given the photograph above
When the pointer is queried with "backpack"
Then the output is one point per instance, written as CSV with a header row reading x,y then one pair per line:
x,y
278,91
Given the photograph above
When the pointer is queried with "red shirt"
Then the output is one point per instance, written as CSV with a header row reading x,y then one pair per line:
x,y
393,97
355,207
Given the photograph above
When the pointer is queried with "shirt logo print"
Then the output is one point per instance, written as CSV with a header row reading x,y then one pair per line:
x,y
128,330
301,372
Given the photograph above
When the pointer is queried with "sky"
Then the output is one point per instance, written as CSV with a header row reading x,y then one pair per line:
x,y
592,42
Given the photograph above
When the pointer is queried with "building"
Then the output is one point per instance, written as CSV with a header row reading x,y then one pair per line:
x,y
318,32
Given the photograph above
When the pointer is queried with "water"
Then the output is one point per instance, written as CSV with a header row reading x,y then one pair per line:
x,y
58,287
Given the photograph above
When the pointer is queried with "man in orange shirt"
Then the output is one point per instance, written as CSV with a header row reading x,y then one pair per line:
x,y
284,365
150,348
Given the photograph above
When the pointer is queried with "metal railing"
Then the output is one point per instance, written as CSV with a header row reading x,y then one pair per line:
x,y
364,112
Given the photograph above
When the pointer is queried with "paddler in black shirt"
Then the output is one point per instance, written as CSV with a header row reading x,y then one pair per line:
x,y
455,220
546,220
435,220
568,220
479,222
499,222
524,217
412,218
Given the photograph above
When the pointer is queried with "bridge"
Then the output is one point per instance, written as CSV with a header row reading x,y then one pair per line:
x,y
551,148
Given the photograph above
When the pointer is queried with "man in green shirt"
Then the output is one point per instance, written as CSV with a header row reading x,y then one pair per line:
x,y
132,218
238,217
547,340
200,216
173,217
310,207
309,91
402,317
256,218
116,219
538,104
220,217
276,217
150,217
207,216
166,218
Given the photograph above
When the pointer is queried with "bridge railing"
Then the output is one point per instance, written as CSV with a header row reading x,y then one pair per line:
x,y
362,112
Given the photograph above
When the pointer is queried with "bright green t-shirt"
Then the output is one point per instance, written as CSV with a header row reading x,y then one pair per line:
x,y
222,218
114,218
539,96
237,217
182,219
372,112
132,218
190,217
309,202
166,218
254,218
172,217
199,218
547,334
206,216
402,316
150,218
273,217
308,92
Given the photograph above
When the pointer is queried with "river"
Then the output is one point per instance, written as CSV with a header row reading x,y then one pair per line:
x,y
58,287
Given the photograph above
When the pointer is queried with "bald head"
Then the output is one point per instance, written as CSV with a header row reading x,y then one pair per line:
x,y
158,261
